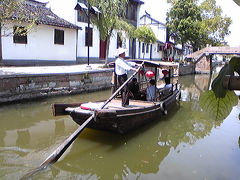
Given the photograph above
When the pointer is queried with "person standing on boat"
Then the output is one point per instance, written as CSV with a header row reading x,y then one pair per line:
x,y
121,68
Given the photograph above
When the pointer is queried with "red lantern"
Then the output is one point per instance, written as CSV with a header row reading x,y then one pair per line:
x,y
150,74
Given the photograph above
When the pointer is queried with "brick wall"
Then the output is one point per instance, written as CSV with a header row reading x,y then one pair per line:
x,y
203,66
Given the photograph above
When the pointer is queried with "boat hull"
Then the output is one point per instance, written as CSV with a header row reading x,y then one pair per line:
x,y
127,119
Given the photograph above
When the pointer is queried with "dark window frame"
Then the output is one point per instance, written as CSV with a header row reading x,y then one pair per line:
x,y
158,47
89,40
147,48
119,41
143,47
59,36
21,36
81,16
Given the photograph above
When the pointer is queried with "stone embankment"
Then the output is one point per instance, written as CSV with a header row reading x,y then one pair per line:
x,y
35,82
24,83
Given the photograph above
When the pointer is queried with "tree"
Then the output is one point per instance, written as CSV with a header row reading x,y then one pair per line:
x,y
213,23
13,10
184,21
146,35
198,25
112,18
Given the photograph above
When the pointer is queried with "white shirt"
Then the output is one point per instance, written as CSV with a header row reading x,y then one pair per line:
x,y
122,66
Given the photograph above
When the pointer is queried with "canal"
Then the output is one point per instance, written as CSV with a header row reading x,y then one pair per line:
x,y
188,143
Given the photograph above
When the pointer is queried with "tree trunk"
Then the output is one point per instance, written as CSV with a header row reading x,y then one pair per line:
x,y
1,44
107,49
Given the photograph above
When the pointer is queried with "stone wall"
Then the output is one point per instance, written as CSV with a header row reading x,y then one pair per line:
x,y
23,87
186,69
203,66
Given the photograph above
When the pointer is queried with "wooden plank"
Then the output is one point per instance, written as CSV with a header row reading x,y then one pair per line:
x,y
59,109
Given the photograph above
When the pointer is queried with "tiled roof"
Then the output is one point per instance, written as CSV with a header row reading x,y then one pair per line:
x,y
138,1
152,19
37,11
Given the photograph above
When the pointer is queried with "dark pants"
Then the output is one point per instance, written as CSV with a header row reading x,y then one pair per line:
x,y
125,90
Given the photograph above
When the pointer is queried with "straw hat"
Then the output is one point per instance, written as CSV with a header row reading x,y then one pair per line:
x,y
120,51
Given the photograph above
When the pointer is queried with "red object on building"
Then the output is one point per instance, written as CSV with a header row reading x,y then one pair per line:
x,y
165,72
141,72
150,74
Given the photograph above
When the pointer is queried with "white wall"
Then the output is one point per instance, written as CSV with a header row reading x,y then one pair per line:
x,y
40,45
113,44
160,32
65,10
82,49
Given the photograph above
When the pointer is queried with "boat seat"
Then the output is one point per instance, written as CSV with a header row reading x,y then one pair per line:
x,y
166,91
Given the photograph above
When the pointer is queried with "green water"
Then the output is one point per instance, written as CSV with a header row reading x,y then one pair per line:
x,y
185,144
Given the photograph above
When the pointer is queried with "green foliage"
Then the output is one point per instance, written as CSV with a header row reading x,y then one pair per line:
x,y
218,108
217,84
183,21
145,34
198,22
14,11
112,17
219,101
235,64
214,24
228,69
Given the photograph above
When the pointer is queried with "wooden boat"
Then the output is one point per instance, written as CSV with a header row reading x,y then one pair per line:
x,y
114,117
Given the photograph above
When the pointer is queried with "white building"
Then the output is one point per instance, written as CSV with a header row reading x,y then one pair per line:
x,y
165,48
154,51
51,41
97,48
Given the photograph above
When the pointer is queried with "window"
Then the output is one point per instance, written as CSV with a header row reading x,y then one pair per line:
x,y
88,39
147,48
19,35
119,41
160,47
81,16
131,12
58,36
143,47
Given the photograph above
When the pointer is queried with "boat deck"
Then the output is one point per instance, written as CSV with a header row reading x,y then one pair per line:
x,y
113,105
117,103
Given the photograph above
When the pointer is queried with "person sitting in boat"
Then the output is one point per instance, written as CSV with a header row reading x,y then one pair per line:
x,y
151,90
166,76
134,88
121,68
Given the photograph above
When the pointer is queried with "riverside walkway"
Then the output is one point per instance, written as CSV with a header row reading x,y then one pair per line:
x,y
21,70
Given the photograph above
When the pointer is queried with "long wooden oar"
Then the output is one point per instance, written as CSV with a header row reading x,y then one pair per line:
x,y
63,147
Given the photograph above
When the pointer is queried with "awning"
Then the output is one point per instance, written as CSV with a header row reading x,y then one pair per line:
x,y
138,1
96,10
80,6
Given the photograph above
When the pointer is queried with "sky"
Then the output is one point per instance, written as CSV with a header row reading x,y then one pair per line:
x,y
158,9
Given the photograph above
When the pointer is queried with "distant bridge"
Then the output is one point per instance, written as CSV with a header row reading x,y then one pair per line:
x,y
224,50
203,59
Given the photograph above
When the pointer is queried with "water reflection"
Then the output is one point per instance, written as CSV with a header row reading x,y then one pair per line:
x,y
112,156
29,133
